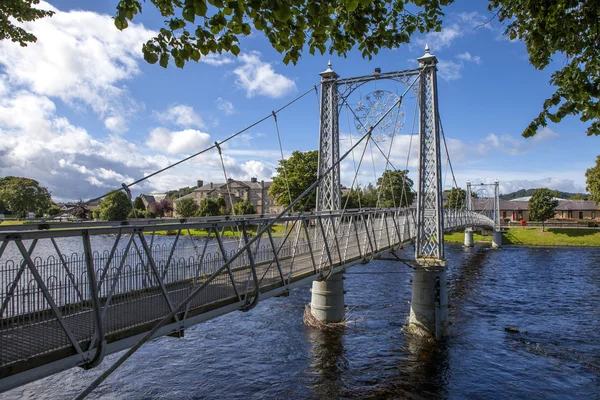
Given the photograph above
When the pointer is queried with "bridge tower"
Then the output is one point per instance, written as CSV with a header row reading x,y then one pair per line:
x,y
327,300
429,305
469,206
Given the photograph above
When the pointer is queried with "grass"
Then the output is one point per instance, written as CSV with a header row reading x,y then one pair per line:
x,y
277,230
535,237
12,222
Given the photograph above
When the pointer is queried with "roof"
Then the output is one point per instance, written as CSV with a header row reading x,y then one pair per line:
x,y
578,205
520,205
235,183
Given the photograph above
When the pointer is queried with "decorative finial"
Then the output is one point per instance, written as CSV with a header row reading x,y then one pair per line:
x,y
426,48
329,64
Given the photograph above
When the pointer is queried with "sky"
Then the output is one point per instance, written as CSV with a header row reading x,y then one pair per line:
x,y
82,112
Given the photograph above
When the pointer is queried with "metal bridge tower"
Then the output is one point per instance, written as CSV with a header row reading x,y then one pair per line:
x,y
327,300
328,191
429,305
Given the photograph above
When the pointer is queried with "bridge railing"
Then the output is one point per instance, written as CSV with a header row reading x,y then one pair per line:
x,y
70,291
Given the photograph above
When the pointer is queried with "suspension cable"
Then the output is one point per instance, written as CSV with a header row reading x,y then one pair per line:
x,y
287,183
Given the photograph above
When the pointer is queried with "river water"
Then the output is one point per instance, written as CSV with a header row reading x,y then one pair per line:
x,y
552,295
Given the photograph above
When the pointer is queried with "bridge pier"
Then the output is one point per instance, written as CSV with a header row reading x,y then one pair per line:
x,y
429,303
496,239
327,300
469,237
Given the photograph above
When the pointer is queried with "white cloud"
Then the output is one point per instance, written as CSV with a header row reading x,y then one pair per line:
x,y
225,106
216,60
181,115
455,27
79,57
466,56
258,78
449,70
116,124
177,142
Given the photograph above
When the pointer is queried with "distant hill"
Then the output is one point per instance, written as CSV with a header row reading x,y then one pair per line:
x,y
529,192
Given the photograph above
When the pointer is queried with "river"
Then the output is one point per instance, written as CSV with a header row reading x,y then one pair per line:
x,y
551,295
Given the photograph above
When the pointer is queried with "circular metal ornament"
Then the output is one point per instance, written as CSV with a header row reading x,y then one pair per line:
x,y
372,107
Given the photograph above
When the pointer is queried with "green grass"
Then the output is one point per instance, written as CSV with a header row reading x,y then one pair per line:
x,y
12,222
535,237
277,230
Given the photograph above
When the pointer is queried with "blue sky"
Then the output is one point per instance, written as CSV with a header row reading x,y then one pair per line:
x,y
81,111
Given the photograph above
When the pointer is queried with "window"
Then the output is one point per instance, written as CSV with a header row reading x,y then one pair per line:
x,y
570,214
503,214
580,214
593,214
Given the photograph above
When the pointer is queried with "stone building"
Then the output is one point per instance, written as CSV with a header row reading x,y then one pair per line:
x,y
253,190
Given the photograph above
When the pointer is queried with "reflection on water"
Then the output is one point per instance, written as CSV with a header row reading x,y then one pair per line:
x,y
552,296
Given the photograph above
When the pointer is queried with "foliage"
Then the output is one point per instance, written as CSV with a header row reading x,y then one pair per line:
x,y
301,170
138,203
560,27
222,206
187,207
580,196
529,192
115,207
592,180
96,214
456,198
542,205
395,189
176,194
12,11
80,211
161,208
244,208
53,210
20,195
335,26
208,208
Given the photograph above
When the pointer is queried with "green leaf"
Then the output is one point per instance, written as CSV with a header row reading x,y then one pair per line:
x,y
235,50
189,14
164,60
121,23
151,58
351,5
200,7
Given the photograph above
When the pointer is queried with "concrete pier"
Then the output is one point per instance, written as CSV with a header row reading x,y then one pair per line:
x,y
429,304
496,239
327,301
469,237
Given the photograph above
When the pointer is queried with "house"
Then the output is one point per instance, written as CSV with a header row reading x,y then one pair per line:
x,y
518,209
235,191
150,198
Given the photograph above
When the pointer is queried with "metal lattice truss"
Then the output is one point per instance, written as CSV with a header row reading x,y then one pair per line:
x,y
71,295
430,227
328,192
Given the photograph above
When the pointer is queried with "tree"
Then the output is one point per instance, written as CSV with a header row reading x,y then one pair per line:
x,y
222,206
560,27
23,194
161,208
80,211
395,189
244,208
187,207
208,208
542,206
115,207
301,170
138,204
548,28
21,11
592,180
456,198
579,196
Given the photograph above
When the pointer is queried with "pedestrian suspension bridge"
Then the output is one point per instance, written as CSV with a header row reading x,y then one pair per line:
x,y
71,293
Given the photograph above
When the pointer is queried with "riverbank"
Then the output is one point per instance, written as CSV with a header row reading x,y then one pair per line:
x,y
535,237
276,231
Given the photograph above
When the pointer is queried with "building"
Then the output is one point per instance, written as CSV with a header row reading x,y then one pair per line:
x,y
518,209
254,191
150,198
